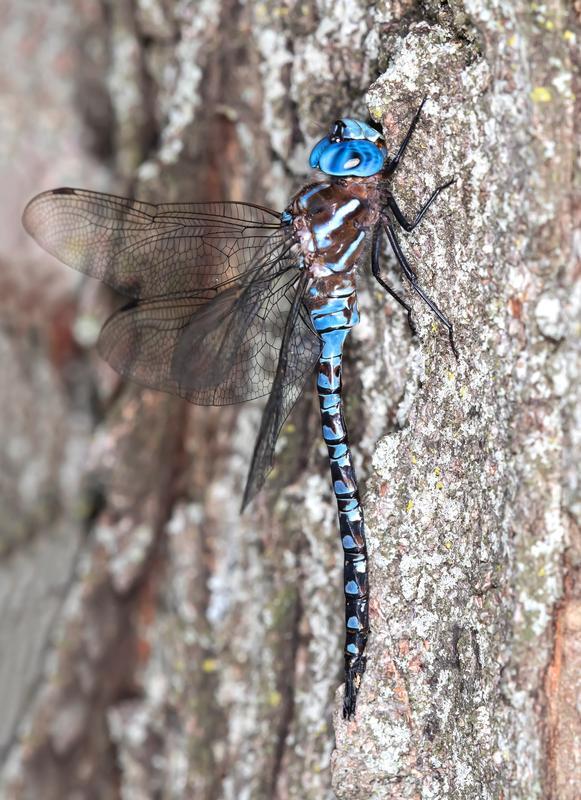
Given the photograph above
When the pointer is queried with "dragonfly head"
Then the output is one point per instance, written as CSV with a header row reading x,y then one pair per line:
x,y
352,147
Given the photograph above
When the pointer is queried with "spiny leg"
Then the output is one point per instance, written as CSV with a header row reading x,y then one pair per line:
x,y
392,166
399,215
375,269
412,277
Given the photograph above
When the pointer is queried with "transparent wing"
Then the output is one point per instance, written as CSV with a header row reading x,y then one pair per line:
x,y
213,351
287,386
144,250
216,314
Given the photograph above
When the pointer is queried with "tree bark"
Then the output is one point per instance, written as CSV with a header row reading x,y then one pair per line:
x,y
155,643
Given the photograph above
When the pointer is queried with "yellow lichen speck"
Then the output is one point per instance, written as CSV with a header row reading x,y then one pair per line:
x,y
274,698
540,94
409,506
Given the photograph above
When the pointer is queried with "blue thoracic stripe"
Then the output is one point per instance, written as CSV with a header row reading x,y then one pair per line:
x,y
332,320
350,251
322,232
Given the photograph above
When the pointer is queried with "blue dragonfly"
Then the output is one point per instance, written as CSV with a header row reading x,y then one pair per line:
x,y
232,301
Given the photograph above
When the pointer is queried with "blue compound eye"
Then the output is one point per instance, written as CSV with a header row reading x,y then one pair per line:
x,y
352,148
317,151
359,157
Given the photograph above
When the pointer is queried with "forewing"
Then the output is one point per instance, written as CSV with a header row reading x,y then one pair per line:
x,y
144,250
213,351
299,352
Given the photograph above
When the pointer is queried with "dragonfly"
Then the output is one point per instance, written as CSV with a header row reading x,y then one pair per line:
x,y
230,301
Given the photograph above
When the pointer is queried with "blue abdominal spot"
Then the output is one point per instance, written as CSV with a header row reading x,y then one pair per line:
x,y
360,157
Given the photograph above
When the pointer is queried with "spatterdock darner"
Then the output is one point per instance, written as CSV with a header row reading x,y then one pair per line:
x,y
232,301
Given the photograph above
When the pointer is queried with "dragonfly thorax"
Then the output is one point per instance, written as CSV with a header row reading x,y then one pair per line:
x,y
331,221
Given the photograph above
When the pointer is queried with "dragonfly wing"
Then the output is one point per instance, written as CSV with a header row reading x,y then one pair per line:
x,y
144,250
299,352
213,351
216,300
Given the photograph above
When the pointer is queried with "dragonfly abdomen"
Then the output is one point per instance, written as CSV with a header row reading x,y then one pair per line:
x,y
332,318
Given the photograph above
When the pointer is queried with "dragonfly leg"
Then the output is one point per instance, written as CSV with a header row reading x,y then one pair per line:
x,y
398,213
375,269
392,166
412,277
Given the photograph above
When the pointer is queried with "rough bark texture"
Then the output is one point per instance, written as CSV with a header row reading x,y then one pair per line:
x,y
154,643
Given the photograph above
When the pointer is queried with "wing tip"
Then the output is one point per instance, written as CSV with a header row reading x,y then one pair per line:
x,y
31,222
27,215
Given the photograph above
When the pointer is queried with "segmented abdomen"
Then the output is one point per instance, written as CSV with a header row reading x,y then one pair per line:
x,y
332,318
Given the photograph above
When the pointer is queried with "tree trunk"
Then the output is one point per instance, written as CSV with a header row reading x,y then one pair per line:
x,y
155,643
